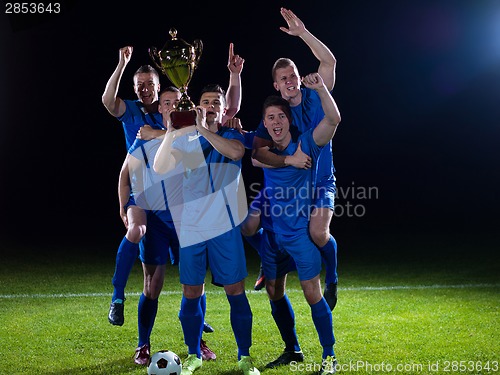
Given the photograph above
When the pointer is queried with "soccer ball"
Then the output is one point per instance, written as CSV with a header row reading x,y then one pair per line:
x,y
164,362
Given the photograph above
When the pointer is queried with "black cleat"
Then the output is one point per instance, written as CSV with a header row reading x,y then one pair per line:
x,y
261,280
330,295
285,358
115,315
207,328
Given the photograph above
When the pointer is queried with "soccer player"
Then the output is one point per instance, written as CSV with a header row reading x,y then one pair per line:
x,y
140,119
289,195
307,112
208,222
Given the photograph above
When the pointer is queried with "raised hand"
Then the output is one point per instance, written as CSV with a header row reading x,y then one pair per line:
x,y
234,62
126,54
295,25
313,81
201,118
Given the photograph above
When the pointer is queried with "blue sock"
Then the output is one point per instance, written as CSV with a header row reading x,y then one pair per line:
x,y
191,317
255,240
146,314
125,258
329,255
284,316
322,318
241,322
203,304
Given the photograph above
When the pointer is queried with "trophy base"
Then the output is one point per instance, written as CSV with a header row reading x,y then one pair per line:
x,y
181,119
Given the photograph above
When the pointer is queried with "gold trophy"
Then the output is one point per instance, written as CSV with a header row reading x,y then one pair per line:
x,y
178,60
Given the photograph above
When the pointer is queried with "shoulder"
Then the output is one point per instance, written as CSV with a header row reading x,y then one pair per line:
x,y
307,141
131,106
231,133
309,94
138,143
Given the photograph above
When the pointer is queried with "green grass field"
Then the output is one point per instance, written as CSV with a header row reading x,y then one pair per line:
x,y
399,312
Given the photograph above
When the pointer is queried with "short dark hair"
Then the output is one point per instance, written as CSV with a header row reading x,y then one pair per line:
x,y
214,87
277,101
147,69
169,89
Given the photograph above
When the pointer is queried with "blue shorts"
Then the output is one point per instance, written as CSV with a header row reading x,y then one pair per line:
x,y
160,241
325,195
282,253
224,254
130,202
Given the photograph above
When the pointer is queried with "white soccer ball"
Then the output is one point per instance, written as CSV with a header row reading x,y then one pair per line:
x,y
164,362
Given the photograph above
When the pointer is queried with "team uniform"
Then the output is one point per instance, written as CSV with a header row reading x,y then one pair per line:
x,y
132,119
207,221
286,245
208,217
148,192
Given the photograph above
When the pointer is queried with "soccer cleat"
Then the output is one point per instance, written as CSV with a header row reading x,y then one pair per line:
x,y
115,315
206,353
245,364
285,358
191,364
207,328
141,356
261,280
328,366
330,295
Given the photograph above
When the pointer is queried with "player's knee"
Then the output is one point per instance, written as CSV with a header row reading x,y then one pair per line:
x,y
319,235
136,232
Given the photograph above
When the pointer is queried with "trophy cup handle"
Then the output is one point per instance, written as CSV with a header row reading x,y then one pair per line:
x,y
198,47
154,56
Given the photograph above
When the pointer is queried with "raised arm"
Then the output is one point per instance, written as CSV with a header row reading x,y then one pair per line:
x,y
327,61
233,94
110,99
325,130
167,158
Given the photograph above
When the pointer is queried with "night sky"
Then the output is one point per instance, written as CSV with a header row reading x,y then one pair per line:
x,y
418,87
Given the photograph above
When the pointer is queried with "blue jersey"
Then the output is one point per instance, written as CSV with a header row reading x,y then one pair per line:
x,y
307,116
147,187
136,116
289,192
213,196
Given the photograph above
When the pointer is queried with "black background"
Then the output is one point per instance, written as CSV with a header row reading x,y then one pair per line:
x,y
418,86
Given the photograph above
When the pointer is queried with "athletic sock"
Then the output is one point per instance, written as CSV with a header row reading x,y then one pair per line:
x,y
203,304
146,314
284,316
322,318
241,322
125,258
191,317
329,255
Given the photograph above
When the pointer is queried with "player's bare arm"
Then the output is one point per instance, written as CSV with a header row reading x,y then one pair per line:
x,y
327,61
110,99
